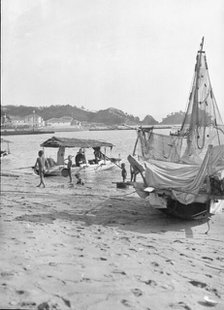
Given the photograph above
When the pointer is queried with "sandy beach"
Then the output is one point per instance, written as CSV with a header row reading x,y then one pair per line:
x,y
97,247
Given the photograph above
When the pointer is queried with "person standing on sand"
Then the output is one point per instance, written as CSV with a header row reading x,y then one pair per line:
x,y
40,165
69,167
123,172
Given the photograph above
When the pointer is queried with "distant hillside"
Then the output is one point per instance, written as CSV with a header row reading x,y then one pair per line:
x,y
173,118
49,112
113,116
149,120
110,116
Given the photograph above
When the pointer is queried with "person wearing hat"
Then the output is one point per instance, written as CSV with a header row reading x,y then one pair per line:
x,y
79,158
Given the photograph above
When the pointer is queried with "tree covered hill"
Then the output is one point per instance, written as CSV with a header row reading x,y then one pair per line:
x,y
49,112
110,116
149,120
173,118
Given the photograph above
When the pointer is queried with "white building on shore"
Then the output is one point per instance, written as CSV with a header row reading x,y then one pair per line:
x,y
62,122
34,120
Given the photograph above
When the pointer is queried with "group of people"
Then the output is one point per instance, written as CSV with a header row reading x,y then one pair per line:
x,y
41,165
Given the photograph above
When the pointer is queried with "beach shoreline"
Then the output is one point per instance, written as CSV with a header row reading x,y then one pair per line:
x,y
97,247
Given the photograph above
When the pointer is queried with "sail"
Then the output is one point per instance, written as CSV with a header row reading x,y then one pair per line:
x,y
202,125
183,173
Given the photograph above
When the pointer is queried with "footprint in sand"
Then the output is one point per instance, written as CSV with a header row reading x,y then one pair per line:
x,y
102,249
125,238
170,261
85,279
6,274
151,283
198,284
119,272
126,303
215,291
80,227
180,305
132,249
20,292
178,241
141,237
205,257
77,248
220,258
137,292
155,264
52,264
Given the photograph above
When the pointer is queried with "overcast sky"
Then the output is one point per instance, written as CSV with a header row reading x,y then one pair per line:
x,y
134,55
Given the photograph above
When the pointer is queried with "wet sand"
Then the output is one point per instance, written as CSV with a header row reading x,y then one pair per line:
x,y
97,247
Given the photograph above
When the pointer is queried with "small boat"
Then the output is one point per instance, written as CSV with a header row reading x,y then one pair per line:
x,y
183,173
100,162
5,150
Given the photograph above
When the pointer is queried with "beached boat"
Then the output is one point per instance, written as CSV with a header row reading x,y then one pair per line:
x,y
183,173
5,150
99,162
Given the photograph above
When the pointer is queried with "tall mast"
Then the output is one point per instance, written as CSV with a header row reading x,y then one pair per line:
x,y
194,118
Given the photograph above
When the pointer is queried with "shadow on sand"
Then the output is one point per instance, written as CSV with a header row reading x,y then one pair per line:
x,y
130,214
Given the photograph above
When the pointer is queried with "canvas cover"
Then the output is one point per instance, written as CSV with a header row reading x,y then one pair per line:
x,y
202,125
56,142
182,161
185,180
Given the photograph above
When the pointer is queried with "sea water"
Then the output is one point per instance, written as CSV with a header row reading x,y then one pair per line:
x,y
24,148
24,151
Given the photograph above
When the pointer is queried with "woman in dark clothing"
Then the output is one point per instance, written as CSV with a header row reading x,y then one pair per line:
x,y
80,158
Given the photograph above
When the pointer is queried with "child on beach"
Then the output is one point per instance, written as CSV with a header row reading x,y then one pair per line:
x,y
123,172
79,180
40,164
69,167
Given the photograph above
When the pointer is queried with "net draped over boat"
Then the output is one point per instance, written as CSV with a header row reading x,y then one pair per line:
x,y
186,179
202,125
188,148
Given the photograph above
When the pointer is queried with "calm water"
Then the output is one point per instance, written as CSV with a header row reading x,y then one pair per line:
x,y
24,149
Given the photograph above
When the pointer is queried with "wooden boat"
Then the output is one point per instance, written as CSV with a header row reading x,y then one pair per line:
x,y
100,162
183,173
5,150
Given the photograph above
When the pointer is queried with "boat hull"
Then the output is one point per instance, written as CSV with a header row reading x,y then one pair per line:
x,y
192,211
202,208
59,170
